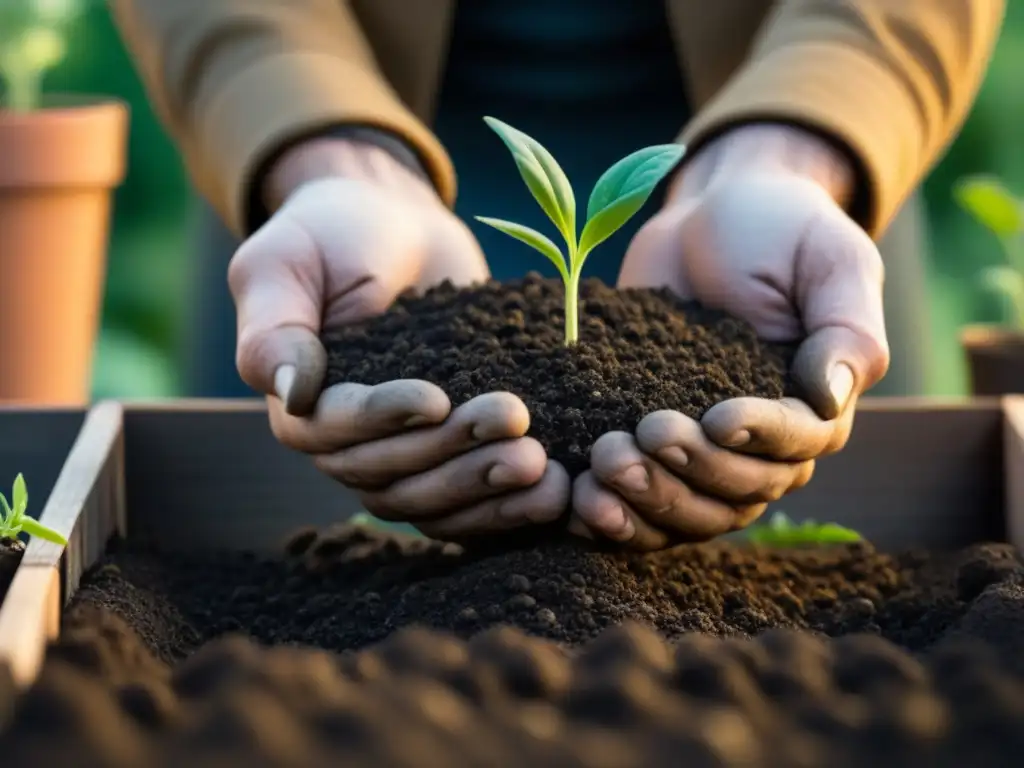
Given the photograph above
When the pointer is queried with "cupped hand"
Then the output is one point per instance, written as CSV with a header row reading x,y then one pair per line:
x,y
340,249
753,226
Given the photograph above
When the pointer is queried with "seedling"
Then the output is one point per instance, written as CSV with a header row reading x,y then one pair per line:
x,y
13,519
996,208
781,531
620,192
33,40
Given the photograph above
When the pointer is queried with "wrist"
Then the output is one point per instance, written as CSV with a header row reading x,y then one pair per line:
x,y
764,147
365,158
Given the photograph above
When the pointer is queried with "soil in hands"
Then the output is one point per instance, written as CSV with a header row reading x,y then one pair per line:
x,y
557,655
640,351
11,551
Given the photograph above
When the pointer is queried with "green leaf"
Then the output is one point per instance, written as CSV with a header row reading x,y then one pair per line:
x,y
545,178
33,527
19,497
831,533
6,513
622,190
986,199
532,238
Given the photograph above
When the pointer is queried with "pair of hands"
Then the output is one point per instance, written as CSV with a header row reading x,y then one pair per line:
x,y
754,225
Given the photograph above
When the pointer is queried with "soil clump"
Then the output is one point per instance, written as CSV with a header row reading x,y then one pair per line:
x,y
640,351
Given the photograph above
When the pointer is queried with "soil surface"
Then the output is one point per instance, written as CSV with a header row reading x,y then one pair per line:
x,y
563,655
640,351
11,551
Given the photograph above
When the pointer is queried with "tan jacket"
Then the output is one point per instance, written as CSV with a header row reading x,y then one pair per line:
x,y
235,79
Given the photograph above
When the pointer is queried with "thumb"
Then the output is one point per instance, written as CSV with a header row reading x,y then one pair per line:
x,y
838,292
277,281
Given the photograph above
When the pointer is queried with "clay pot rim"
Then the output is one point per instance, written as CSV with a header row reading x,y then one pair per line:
x,y
990,336
56,105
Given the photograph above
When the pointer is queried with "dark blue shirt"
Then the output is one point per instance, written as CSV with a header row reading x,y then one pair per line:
x,y
591,80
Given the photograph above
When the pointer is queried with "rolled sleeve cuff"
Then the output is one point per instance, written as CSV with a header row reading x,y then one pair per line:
x,y
285,96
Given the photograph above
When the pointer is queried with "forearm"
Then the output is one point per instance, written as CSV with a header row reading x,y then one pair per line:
x,y
889,80
234,81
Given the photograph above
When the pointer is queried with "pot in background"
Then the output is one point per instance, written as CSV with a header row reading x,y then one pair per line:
x,y
995,359
58,167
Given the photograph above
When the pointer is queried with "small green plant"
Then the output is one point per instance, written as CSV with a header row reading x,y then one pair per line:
x,y
620,192
996,208
33,40
13,519
781,531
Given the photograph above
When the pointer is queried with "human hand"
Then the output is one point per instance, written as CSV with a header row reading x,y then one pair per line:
x,y
754,226
355,229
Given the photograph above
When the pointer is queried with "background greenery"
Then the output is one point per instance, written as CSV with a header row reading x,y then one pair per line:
x,y
142,342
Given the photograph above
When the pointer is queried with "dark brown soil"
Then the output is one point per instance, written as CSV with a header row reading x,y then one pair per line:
x,y
11,551
623,667
640,351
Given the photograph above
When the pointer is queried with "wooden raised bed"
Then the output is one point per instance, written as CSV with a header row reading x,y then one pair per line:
x,y
938,475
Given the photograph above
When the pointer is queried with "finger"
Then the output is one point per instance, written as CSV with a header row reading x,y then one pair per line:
x,y
661,498
604,514
347,414
484,419
784,430
541,503
838,278
462,482
277,282
680,444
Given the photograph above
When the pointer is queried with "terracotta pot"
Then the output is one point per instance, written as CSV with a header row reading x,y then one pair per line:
x,y
58,167
995,359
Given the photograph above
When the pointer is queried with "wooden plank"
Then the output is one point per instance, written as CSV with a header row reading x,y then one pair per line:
x,y
1013,407
87,507
29,619
202,474
917,472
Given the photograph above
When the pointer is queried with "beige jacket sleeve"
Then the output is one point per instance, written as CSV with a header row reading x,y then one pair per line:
x,y
232,80
892,80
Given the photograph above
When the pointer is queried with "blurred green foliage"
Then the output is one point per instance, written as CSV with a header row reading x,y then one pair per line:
x,y
151,249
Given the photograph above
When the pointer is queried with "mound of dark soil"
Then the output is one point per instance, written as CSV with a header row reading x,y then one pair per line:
x,y
424,699
11,551
563,655
640,351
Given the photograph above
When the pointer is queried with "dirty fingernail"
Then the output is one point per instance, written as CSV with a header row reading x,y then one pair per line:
x,y
634,480
284,379
737,439
502,476
840,384
416,421
579,529
674,456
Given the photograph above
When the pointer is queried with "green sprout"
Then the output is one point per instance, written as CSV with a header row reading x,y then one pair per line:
x,y
781,531
620,192
995,208
33,40
13,519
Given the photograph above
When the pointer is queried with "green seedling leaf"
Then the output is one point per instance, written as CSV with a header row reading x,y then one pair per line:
x,y
992,204
545,178
19,498
6,513
532,238
622,191
780,531
33,527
